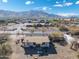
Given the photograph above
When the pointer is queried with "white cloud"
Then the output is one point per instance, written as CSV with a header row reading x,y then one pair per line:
x,y
58,5
63,4
68,4
29,2
66,14
4,1
46,8
77,2
57,2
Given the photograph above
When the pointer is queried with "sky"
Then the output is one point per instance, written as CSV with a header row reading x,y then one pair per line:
x,y
60,7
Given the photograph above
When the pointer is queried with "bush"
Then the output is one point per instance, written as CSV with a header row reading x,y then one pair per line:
x,y
78,56
63,28
4,57
6,49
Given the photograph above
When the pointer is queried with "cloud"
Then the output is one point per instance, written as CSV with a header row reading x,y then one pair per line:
x,y
29,2
57,2
46,8
68,4
77,2
4,1
58,5
63,4
66,14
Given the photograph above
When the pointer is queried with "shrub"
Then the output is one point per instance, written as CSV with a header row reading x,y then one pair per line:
x,y
5,50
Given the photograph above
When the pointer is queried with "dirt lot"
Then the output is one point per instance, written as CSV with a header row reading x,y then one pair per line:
x,y
63,52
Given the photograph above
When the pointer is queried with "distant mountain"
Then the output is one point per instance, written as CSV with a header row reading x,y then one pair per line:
x,y
26,14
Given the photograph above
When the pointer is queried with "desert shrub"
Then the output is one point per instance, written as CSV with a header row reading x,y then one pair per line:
x,y
4,57
5,50
63,28
78,56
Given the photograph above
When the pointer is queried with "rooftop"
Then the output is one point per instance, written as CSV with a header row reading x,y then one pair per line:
x,y
37,39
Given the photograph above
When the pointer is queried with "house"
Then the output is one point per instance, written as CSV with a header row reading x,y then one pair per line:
x,y
36,41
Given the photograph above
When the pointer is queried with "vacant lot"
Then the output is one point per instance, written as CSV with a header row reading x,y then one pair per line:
x,y
63,52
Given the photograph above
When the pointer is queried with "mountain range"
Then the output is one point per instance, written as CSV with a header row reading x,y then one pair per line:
x,y
4,14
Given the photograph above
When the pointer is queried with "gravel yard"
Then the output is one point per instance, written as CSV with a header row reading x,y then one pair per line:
x,y
63,52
